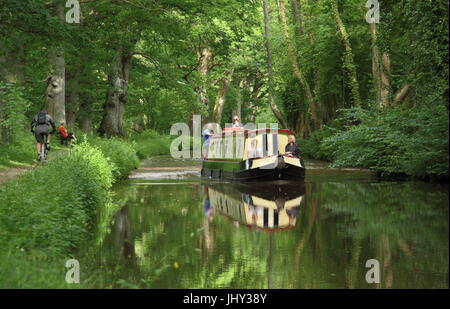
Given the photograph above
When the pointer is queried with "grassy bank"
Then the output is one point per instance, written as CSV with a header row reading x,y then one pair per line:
x,y
144,145
412,142
21,152
57,211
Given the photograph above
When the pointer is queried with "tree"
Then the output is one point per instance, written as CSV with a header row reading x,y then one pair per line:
x,y
281,119
347,58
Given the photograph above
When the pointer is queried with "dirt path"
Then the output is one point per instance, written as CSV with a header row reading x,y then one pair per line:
x,y
12,172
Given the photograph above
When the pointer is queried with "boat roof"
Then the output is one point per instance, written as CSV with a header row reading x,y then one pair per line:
x,y
235,131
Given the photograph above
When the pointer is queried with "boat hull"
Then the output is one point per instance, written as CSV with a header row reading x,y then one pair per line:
x,y
278,169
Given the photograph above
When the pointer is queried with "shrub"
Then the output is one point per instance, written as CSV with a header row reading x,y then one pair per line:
x,y
410,141
149,143
119,153
21,151
312,146
52,209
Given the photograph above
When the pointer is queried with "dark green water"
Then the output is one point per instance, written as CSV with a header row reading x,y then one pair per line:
x,y
166,236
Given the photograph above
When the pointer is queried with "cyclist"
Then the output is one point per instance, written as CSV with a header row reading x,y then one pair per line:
x,y
40,126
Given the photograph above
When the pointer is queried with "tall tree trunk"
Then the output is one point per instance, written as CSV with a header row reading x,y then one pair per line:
x,y
385,79
277,113
253,95
72,95
295,67
381,71
85,114
238,109
349,63
376,65
12,70
205,57
317,93
298,16
56,88
220,100
116,96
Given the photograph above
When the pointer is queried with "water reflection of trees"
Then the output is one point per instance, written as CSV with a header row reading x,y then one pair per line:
x,y
341,226
403,225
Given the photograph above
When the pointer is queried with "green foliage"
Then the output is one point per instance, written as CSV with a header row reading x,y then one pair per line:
x,y
53,209
312,146
21,151
150,143
408,141
12,108
120,154
421,51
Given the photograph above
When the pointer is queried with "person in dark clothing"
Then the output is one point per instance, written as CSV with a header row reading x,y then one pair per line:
x,y
291,147
41,125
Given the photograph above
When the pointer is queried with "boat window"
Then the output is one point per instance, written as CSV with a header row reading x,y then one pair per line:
x,y
228,146
218,152
240,140
265,145
255,147
215,149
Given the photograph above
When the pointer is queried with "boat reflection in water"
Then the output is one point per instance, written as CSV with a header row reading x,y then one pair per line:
x,y
265,206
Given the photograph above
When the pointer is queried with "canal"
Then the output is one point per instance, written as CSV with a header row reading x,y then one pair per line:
x,y
176,230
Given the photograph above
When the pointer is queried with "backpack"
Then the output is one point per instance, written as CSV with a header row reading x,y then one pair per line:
x,y
42,118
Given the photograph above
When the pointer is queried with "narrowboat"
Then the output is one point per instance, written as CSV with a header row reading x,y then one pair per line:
x,y
251,155
271,207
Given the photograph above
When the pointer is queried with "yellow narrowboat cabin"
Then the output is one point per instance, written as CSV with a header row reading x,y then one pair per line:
x,y
251,155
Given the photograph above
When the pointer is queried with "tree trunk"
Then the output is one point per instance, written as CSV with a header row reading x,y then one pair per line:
x,y
295,67
253,95
298,16
12,62
205,56
237,110
278,115
349,63
116,96
401,94
376,67
85,122
84,114
220,100
56,88
385,79
381,71
317,93
72,96
12,70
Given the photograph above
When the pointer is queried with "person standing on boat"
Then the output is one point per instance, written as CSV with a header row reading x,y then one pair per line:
x,y
292,147
237,123
207,132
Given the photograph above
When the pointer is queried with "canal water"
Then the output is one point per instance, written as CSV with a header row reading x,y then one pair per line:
x,y
341,228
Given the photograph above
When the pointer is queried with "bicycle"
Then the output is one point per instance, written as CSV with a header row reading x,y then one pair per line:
x,y
43,151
